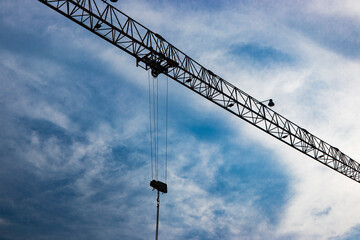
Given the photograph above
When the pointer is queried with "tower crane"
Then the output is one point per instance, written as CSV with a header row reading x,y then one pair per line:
x,y
152,52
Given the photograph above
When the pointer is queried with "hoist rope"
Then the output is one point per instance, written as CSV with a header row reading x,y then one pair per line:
x,y
166,125
150,129
153,91
157,128
154,122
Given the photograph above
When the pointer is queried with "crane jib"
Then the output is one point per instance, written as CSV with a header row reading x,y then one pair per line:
x,y
153,52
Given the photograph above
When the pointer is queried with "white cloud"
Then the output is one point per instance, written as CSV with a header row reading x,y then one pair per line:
x,y
347,8
323,100
319,91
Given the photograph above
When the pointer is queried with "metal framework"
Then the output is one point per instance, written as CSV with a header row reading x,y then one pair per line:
x,y
153,52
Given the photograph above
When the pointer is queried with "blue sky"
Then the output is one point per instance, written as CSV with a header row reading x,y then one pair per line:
x,y
74,137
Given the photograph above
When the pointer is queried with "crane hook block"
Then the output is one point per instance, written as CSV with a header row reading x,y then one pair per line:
x,y
160,186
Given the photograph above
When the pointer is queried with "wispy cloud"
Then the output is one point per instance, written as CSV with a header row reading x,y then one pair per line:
x,y
74,118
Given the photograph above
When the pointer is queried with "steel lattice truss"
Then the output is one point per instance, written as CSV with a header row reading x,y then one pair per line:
x,y
152,52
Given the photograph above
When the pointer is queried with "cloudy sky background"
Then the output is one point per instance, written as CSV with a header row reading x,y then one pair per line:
x,y
74,137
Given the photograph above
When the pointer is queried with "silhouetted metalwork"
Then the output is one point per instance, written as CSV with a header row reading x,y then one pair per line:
x,y
160,187
153,52
270,102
